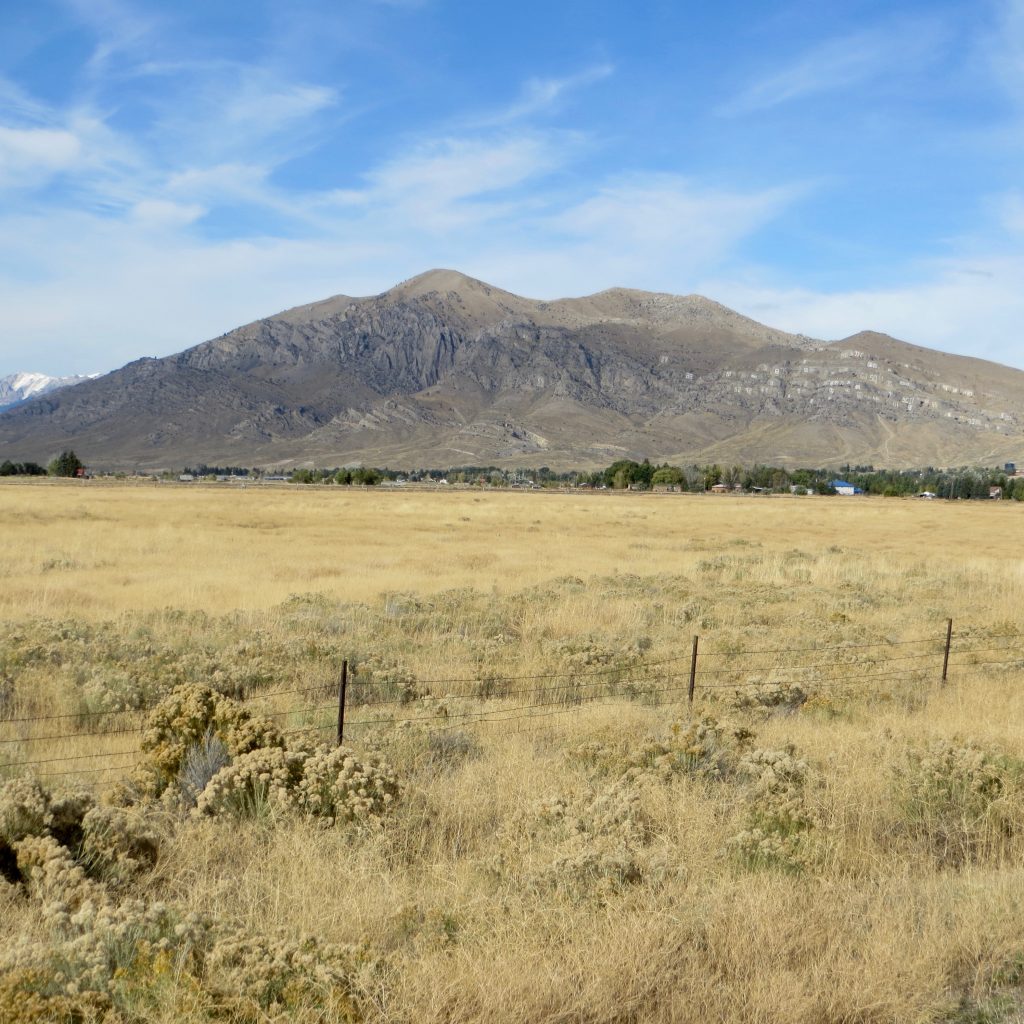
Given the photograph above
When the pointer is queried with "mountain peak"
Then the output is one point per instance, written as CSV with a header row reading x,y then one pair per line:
x,y
440,280
444,369
21,386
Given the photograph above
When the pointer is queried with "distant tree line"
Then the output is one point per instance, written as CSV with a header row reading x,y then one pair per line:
x,y
204,470
8,468
965,482
367,477
65,464
962,483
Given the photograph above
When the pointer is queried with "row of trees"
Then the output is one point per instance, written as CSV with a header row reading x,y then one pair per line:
x,y
965,482
65,464
368,477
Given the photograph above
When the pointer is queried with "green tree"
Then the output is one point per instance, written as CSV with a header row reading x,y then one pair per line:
x,y
366,476
671,475
65,464
712,476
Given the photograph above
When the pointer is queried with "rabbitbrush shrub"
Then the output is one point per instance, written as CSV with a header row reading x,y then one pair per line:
x,y
779,826
962,801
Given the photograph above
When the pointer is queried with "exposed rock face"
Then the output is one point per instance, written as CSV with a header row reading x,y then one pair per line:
x,y
445,370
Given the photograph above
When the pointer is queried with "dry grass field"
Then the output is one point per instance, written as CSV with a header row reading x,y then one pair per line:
x,y
528,822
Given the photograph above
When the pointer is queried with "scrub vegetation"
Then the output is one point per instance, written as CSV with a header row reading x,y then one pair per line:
x,y
825,834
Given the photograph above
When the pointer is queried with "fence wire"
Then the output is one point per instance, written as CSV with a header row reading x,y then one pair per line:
x,y
834,668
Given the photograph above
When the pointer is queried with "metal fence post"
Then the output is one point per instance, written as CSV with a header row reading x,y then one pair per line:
x,y
945,657
342,685
693,671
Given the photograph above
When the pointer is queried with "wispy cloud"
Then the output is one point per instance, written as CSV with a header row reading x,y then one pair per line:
x,y
1004,48
439,173
120,29
841,63
539,95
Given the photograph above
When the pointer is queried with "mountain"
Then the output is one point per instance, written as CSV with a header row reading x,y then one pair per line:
x,y
20,387
447,370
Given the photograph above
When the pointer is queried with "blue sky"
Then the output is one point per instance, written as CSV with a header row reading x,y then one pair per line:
x,y
169,171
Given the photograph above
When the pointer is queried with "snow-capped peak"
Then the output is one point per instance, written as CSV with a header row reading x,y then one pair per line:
x,y
20,387
29,384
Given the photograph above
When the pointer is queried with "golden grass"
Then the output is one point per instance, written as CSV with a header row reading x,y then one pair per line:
x,y
466,898
98,550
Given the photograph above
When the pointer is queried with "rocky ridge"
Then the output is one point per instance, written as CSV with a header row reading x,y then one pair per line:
x,y
444,370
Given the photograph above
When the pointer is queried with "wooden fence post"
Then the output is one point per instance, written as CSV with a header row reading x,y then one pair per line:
x,y
342,685
693,671
945,657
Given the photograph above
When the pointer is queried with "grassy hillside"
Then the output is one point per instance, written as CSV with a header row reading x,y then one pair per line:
x,y
530,822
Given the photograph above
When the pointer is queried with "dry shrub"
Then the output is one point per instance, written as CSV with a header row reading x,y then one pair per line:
x,y
117,845
770,697
250,975
338,786
119,963
51,875
183,721
255,783
600,842
24,809
963,802
104,960
704,748
779,826
331,784
28,810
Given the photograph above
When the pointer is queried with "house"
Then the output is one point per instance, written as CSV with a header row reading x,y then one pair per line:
x,y
842,487
720,488
186,478
995,492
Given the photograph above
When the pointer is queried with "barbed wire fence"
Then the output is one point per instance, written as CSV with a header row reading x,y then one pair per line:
x,y
536,702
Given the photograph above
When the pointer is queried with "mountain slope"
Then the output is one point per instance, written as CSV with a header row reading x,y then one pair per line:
x,y
443,369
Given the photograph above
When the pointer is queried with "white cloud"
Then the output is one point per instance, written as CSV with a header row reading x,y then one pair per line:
x,y
449,184
1011,212
164,213
973,307
666,213
28,155
257,107
453,169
